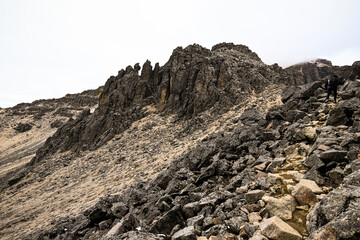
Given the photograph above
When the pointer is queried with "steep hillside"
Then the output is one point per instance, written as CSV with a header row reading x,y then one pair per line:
x,y
291,173
25,127
213,143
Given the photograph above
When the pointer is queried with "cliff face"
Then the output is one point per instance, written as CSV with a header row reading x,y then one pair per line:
x,y
318,70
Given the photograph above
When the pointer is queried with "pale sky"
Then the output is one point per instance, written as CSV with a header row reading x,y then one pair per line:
x,y
49,48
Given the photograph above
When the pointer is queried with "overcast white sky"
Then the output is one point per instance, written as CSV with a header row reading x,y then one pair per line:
x,y
51,48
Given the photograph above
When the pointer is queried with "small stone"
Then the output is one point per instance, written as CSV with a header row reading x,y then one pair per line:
x,y
304,195
105,224
208,221
323,147
191,209
188,233
201,238
254,196
259,175
258,236
277,162
294,175
289,182
281,207
229,204
333,155
328,233
217,221
197,220
242,189
119,209
236,223
127,223
304,207
313,161
262,166
310,184
310,133
336,175
275,228
254,217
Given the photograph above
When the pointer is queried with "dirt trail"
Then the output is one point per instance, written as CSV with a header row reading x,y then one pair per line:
x,y
292,171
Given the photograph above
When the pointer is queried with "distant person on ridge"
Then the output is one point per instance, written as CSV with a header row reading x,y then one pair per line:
x,y
331,85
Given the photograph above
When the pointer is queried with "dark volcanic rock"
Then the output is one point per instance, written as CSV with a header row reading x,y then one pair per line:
x,y
166,223
193,80
309,72
345,113
23,127
218,187
339,210
333,155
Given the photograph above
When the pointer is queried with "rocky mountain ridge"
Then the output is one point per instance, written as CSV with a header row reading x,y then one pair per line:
x,y
261,181
226,182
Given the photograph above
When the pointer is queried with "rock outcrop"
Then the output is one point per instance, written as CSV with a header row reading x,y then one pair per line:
x,y
288,173
308,72
261,180
193,80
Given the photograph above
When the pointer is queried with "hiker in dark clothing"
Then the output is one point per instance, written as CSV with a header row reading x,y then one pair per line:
x,y
331,85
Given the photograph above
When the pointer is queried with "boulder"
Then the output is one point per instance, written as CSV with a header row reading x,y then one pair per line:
x,y
119,209
252,115
136,235
336,175
312,161
168,221
338,211
191,209
343,113
281,207
327,233
258,236
314,175
337,117
127,223
304,195
235,223
309,184
333,155
287,93
310,133
294,115
188,233
23,127
254,195
197,220
275,228
254,217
